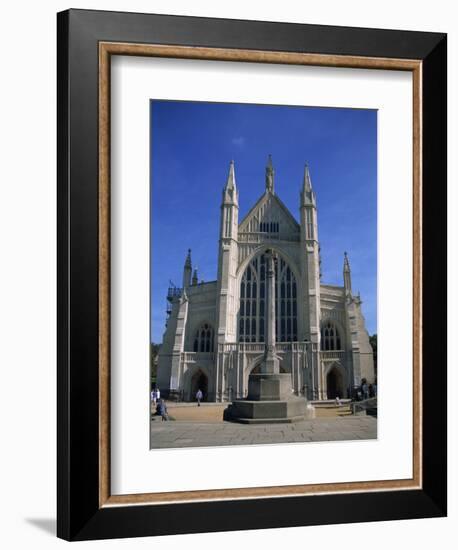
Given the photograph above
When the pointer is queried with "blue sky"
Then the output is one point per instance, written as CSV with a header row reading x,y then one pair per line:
x,y
191,147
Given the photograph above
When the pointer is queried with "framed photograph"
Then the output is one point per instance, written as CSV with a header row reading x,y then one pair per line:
x,y
252,274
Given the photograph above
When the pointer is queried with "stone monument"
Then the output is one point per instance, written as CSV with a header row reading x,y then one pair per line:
x,y
270,397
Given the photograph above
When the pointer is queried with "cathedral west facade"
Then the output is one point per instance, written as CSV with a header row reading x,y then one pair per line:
x,y
216,331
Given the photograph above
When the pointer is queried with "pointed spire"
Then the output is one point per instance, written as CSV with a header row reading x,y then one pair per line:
x,y
187,270
270,172
230,184
347,274
307,194
307,184
195,279
230,193
188,262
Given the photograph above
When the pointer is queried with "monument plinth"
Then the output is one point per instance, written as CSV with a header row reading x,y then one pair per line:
x,y
270,397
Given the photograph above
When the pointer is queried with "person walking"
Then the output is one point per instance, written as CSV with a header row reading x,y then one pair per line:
x,y
162,409
199,396
154,396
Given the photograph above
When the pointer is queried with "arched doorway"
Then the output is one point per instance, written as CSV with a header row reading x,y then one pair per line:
x,y
199,381
335,386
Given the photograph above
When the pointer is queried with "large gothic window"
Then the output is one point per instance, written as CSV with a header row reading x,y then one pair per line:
x,y
330,337
252,313
203,341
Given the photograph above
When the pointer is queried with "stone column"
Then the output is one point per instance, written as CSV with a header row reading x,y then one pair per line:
x,y
271,364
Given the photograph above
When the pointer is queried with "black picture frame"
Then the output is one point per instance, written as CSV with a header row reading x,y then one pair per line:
x,y
80,516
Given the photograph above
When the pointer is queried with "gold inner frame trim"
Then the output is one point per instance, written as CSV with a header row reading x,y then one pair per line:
x,y
106,50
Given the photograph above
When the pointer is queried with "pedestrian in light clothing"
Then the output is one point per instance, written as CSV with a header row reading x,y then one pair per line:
x,y
154,396
199,396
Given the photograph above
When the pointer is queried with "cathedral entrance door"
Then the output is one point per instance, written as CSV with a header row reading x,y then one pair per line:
x,y
199,381
334,384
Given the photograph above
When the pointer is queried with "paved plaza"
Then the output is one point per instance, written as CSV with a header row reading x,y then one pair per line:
x,y
178,434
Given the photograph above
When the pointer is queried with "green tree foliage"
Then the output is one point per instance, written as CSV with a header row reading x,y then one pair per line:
x,y
154,352
373,343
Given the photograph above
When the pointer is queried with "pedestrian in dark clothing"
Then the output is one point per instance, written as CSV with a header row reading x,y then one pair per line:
x,y
162,409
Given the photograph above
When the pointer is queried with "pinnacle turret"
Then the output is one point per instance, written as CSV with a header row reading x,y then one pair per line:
x,y
187,270
230,193
307,194
347,274
307,185
188,262
346,263
195,278
270,173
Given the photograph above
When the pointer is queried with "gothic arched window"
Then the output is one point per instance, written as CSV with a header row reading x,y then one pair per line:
x,y
203,342
330,337
252,313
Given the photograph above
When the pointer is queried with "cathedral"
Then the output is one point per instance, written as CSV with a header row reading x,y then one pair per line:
x,y
215,334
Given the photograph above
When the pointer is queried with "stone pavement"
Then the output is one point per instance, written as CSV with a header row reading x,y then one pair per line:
x,y
176,434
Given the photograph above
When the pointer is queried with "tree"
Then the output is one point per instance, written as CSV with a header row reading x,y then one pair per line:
x,y
373,343
154,353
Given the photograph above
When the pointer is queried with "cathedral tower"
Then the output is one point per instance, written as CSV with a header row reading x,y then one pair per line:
x,y
310,261
227,261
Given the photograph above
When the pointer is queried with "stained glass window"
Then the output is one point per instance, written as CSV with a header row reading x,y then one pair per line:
x,y
252,313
